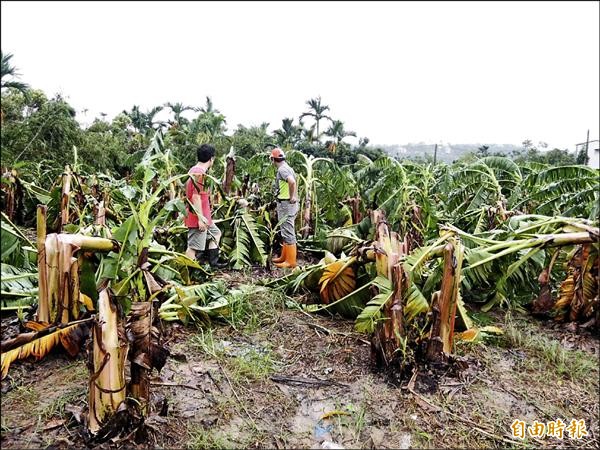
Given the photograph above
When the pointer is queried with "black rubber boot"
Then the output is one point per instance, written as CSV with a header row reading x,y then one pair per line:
x,y
201,257
213,259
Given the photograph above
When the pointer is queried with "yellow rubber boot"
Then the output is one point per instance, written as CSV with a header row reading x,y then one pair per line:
x,y
281,258
290,260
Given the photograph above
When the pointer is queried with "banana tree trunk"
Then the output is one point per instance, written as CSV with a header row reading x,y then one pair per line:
x,y
139,327
61,272
245,183
229,174
307,216
355,202
387,243
386,339
444,304
100,214
390,333
53,276
10,199
13,196
146,352
107,381
544,302
64,199
65,262
43,312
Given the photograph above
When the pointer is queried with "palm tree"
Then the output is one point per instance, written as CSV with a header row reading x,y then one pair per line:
x,y
150,118
209,108
288,134
143,122
317,112
210,124
308,134
178,109
10,71
137,119
337,132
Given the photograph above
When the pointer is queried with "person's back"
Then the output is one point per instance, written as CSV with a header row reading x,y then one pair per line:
x,y
195,185
198,219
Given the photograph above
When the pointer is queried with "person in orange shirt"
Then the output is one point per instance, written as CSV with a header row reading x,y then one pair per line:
x,y
198,219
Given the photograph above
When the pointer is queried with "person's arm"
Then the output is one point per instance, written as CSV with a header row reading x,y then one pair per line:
x,y
292,186
202,222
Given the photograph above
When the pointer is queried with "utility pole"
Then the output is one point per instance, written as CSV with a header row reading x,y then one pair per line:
x,y
587,143
435,153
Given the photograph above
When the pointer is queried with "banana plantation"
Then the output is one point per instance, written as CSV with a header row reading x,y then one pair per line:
x,y
432,305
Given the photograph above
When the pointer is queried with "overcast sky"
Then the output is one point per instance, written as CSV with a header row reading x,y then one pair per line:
x,y
489,72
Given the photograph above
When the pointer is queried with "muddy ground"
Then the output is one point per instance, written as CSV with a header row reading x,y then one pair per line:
x,y
281,378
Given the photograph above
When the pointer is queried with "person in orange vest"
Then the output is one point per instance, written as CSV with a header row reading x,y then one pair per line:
x,y
200,226
286,193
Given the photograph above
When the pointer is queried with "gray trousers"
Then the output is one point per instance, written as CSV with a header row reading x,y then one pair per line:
x,y
287,211
197,239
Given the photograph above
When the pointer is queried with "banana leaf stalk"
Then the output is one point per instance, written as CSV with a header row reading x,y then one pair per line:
x,y
542,241
107,378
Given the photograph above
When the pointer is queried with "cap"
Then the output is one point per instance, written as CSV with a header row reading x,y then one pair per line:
x,y
277,153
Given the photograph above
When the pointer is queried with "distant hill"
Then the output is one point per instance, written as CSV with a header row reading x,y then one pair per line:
x,y
446,152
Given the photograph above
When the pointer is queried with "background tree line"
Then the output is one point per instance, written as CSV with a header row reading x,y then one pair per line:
x,y
40,129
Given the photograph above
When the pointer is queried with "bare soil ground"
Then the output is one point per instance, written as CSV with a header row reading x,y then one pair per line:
x,y
282,378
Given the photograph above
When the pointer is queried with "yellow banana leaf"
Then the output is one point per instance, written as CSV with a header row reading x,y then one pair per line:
x,y
338,280
40,344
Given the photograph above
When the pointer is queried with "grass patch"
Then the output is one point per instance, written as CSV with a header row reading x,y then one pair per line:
x,y
74,372
254,308
575,365
252,365
57,407
22,395
245,362
199,438
205,342
247,436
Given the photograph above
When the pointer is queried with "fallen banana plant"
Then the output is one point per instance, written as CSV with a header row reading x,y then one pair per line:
x,y
200,303
60,301
42,340
401,333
